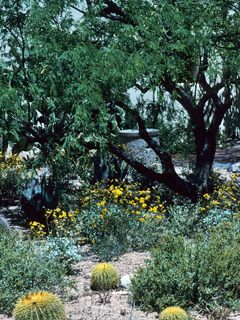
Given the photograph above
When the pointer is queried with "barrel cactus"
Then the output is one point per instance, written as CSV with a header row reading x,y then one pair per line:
x,y
173,313
39,306
104,277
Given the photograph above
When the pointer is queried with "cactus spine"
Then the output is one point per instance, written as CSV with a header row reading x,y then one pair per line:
x,y
39,306
104,277
173,313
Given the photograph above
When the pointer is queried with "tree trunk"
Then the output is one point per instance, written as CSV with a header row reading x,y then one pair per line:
x,y
204,162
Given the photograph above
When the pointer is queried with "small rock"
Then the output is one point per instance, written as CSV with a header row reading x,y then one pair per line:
x,y
234,167
126,280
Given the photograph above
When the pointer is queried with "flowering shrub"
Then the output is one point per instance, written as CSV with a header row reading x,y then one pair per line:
x,y
125,214
226,197
12,178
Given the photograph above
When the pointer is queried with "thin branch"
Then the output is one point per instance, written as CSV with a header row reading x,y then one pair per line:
x,y
14,36
116,18
72,6
143,90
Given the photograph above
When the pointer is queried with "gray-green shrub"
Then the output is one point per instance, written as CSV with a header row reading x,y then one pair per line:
x,y
188,219
22,270
204,271
62,249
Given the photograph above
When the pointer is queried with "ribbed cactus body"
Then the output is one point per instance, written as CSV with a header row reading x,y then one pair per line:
x,y
173,313
104,277
39,306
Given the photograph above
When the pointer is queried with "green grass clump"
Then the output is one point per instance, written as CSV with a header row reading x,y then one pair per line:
x,y
202,272
173,313
104,277
39,306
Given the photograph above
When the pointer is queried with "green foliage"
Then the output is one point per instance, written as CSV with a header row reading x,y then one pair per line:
x,y
23,269
173,313
110,247
123,213
107,170
115,220
188,219
104,277
39,306
204,271
60,88
64,250
177,138
12,179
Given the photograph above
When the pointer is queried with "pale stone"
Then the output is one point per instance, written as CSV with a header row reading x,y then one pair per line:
x,y
235,167
126,280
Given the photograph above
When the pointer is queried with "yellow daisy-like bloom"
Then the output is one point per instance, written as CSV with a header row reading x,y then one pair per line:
x,y
207,196
154,209
116,192
104,211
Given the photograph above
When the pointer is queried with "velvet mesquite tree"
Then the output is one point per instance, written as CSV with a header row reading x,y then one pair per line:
x,y
72,76
186,48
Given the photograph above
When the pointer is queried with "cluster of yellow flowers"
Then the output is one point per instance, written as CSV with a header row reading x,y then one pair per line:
x,y
227,197
12,176
37,229
130,203
9,163
127,196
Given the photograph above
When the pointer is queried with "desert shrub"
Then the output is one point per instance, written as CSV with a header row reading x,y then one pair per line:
x,y
128,226
204,271
110,247
125,238
226,195
64,250
188,219
130,217
23,269
12,179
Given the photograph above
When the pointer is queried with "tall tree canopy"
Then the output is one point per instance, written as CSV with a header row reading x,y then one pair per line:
x,y
61,79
